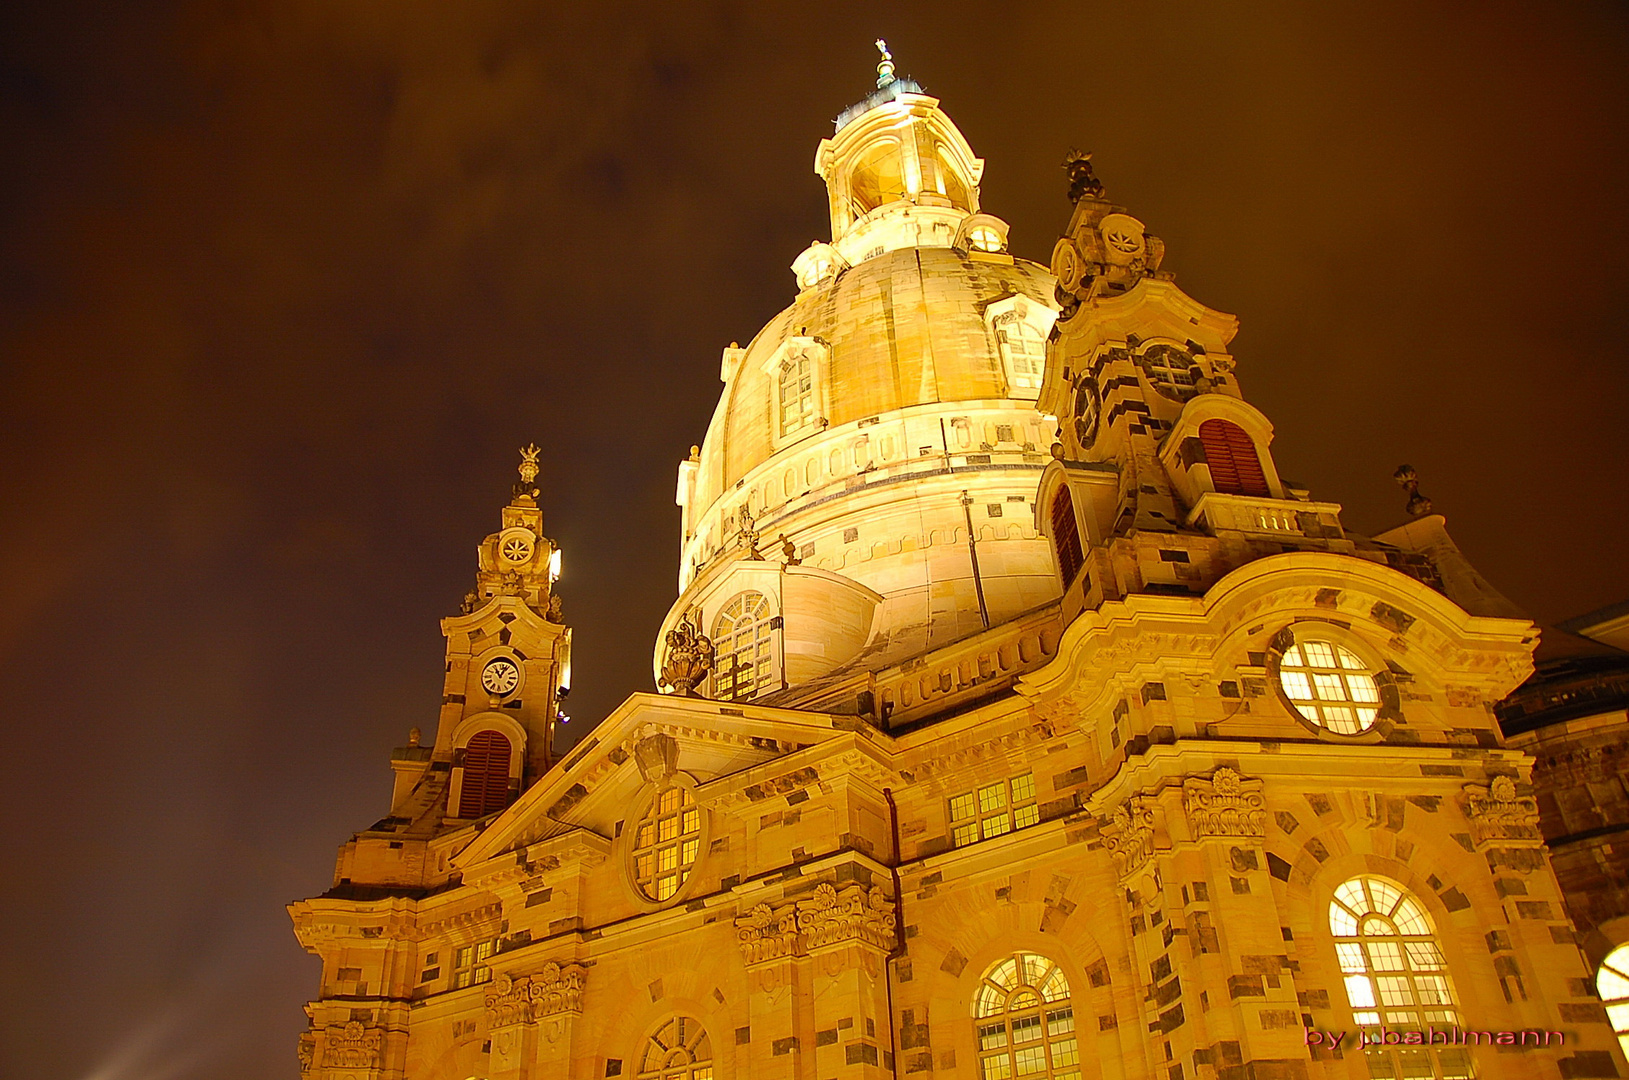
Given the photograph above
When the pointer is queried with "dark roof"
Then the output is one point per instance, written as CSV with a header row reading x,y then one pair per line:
x,y
880,96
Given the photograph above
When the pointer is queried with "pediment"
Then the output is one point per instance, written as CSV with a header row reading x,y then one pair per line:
x,y
590,790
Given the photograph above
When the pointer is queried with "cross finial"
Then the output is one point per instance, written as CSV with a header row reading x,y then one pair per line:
x,y
885,68
528,462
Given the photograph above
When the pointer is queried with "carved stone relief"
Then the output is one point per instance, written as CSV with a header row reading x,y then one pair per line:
x,y
353,1046
557,988
1129,835
832,916
1224,804
1496,812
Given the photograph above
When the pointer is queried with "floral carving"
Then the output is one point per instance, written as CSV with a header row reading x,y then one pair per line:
x,y
1225,804
852,914
353,1046
307,1051
766,934
832,916
557,988
1497,812
1129,835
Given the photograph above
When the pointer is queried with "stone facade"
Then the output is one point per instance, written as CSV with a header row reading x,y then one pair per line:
x,y
1042,729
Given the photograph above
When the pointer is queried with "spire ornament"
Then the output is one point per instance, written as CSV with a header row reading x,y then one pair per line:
x,y
1083,183
1418,505
885,68
527,488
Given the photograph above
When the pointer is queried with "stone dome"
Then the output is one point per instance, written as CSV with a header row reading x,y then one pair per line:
x,y
913,326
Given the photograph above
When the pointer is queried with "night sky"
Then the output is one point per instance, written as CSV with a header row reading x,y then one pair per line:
x,y
283,285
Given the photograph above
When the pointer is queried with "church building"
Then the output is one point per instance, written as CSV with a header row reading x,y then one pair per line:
x,y
1016,720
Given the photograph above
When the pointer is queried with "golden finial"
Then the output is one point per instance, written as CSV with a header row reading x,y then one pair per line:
x,y
528,463
885,69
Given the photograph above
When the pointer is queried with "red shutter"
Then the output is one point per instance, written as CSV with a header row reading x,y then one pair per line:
x,y
1066,536
1235,467
486,775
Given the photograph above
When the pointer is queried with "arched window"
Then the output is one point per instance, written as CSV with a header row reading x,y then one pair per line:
x,y
1395,976
878,178
667,841
1023,351
1330,685
486,775
678,1051
1235,467
1170,370
742,656
1025,1022
1066,536
1612,984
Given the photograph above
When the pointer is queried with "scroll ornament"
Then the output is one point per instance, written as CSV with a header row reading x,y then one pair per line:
x,y
1129,835
1496,812
353,1046
832,916
1224,804
557,988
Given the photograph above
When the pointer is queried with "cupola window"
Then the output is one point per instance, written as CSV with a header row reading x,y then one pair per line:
x,y
743,657
485,787
678,1051
796,374
878,178
1066,536
1395,976
1023,350
984,238
1024,1021
1235,467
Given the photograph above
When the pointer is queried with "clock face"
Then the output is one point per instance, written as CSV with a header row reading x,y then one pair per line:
x,y
500,677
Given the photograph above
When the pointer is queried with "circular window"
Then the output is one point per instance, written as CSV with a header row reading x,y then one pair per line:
x,y
1329,685
667,841
984,238
1170,370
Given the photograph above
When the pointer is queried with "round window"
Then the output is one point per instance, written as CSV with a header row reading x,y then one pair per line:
x,y
1329,685
667,842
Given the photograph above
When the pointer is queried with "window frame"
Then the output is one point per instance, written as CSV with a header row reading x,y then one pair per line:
x,y
1014,812
469,964
696,1068
1409,942
1615,964
1053,1006
762,630
1297,635
698,840
814,419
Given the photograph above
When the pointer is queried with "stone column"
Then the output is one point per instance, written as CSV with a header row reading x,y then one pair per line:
x,y
848,932
768,938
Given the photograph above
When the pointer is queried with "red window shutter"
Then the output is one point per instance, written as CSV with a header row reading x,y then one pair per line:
x,y
1066,536
486,775
1235,467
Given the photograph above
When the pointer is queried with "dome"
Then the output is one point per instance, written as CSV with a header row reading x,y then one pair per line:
x,y
865,490
913,326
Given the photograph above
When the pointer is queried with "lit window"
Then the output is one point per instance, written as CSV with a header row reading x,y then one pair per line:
x,y
742,652
679,1051
878,178
485,787
1612,984
1170,370
984,238
1395,975
1330,686
1024,1022
993,810
797,391
667,841
469,964
1023,351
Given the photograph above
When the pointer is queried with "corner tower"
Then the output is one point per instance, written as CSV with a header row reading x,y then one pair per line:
x,y
864,490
